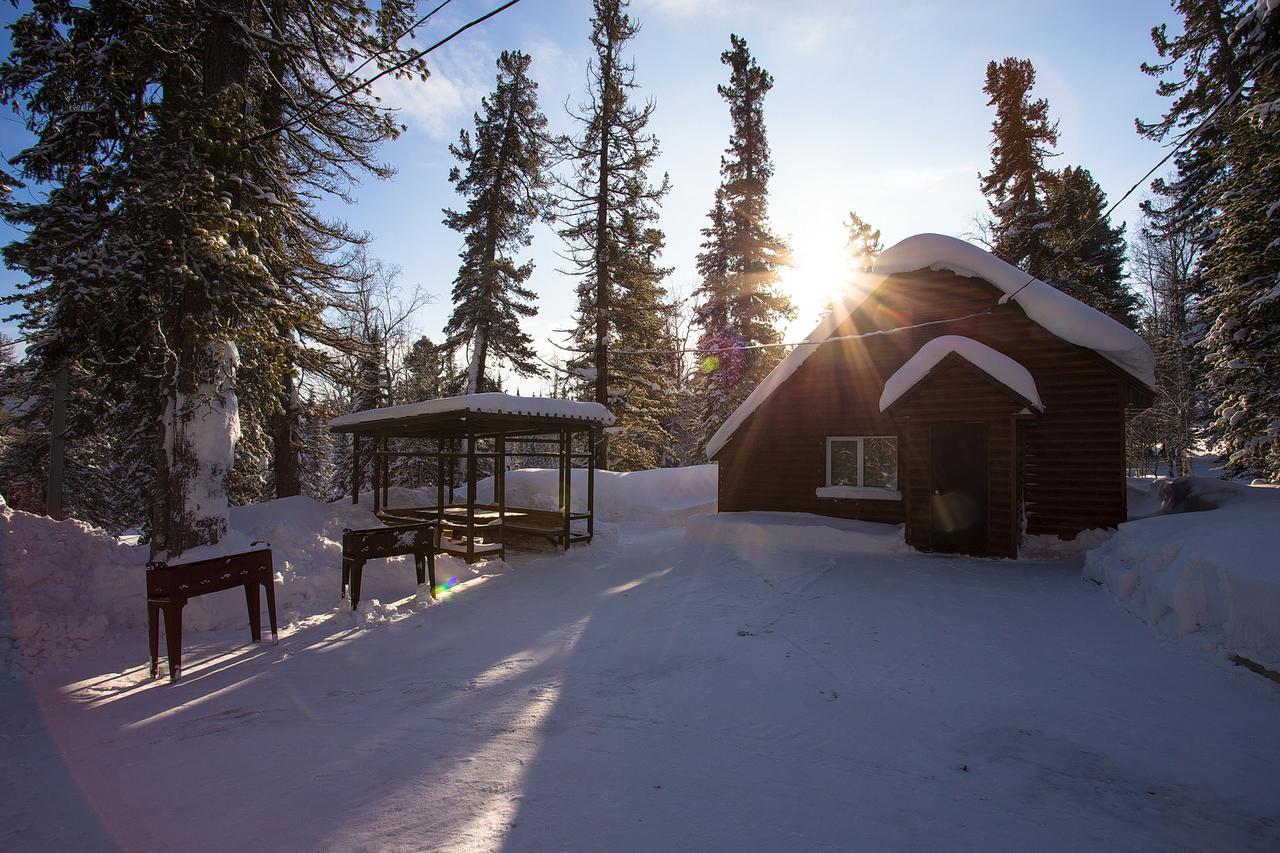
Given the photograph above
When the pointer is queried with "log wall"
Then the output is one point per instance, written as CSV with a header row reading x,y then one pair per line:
x,y
1071,458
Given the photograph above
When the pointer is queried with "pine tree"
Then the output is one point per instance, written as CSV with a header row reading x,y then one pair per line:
x,y
863,243
1241,268
608,207
504,182
642,382
1222,76
1084,260
1199,69
178,217
1023,139
740,305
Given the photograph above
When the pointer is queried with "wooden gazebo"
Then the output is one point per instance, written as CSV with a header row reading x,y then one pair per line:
x,y
464,431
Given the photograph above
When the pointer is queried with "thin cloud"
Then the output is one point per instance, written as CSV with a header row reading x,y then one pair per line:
x,y
919,178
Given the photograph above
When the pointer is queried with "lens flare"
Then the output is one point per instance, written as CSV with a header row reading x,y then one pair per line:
x,y
446,586
710,364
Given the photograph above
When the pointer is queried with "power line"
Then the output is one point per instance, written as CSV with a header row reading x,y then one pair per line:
x,y
412,58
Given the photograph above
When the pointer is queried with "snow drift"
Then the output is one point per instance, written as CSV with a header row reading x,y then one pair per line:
x,y
1213,572
65,585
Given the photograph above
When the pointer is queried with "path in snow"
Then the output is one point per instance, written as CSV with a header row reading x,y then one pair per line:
x,y
674,696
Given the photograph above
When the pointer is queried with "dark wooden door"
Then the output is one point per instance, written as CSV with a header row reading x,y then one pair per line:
x,y
958,487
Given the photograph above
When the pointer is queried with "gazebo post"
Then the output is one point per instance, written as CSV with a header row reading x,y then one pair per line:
x,y
386,473
566,440
560,470
471,496
355,467
591,483
500,475
440,479
377,476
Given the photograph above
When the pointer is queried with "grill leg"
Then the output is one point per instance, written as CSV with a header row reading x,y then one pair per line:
x,y
173,637
153,635
420,565
270,584
357,569
346,575
253,601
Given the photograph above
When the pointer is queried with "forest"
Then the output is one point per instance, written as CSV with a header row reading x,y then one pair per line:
x,y
190,321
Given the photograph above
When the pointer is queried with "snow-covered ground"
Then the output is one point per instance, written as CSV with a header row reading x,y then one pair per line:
x,y
746,688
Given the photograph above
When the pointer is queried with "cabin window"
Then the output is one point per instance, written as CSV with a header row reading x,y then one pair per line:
x,y
863,461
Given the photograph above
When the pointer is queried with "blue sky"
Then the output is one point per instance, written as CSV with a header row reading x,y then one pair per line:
x,y
876,107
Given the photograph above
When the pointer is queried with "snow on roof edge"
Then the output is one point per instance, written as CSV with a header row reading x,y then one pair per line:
x,y
938,251
492,402
992,362
1064,316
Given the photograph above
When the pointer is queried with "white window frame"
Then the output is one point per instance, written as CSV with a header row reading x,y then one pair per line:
x,y
866,492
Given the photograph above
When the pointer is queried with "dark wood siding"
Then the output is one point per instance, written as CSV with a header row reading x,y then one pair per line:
x,y
934,401
1071,457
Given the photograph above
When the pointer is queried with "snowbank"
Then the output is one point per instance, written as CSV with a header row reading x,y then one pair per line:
x,y
995,364
66,585
796,530
1213,572
663,495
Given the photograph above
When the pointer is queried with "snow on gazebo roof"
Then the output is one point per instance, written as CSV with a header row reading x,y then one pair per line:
x,y
995,364
492,402
1055,311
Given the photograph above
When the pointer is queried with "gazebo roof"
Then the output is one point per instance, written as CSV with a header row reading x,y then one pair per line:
x,y
479,413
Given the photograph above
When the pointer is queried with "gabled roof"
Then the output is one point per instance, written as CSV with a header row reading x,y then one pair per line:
x,y
489,403
1055,311
1003,370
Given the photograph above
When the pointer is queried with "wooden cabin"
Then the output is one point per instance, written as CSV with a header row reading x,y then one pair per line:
x,y
952,393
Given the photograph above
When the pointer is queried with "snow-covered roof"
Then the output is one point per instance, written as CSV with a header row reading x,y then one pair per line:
x,y
995,364
492,402
1058,313
1068,318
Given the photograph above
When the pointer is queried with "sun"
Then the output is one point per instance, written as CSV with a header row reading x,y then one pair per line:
x,y
821,271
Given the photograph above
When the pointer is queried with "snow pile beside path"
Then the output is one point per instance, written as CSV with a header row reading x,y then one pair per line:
x,y
796,531
1214,572
66,585
664,495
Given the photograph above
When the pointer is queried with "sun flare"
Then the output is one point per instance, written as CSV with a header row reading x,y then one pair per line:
x,y
821,271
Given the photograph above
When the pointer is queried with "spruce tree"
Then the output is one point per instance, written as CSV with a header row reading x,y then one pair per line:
x,y
740,305
608,207
504,183
863,243
1198,69
1241,268
1084,260
1023,137
179,216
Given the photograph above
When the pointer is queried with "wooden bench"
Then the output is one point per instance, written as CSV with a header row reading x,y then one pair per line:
x,y
418,539
170,586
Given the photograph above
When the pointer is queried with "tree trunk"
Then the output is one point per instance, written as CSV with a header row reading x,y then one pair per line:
x,y
284,459
603,283
200,420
